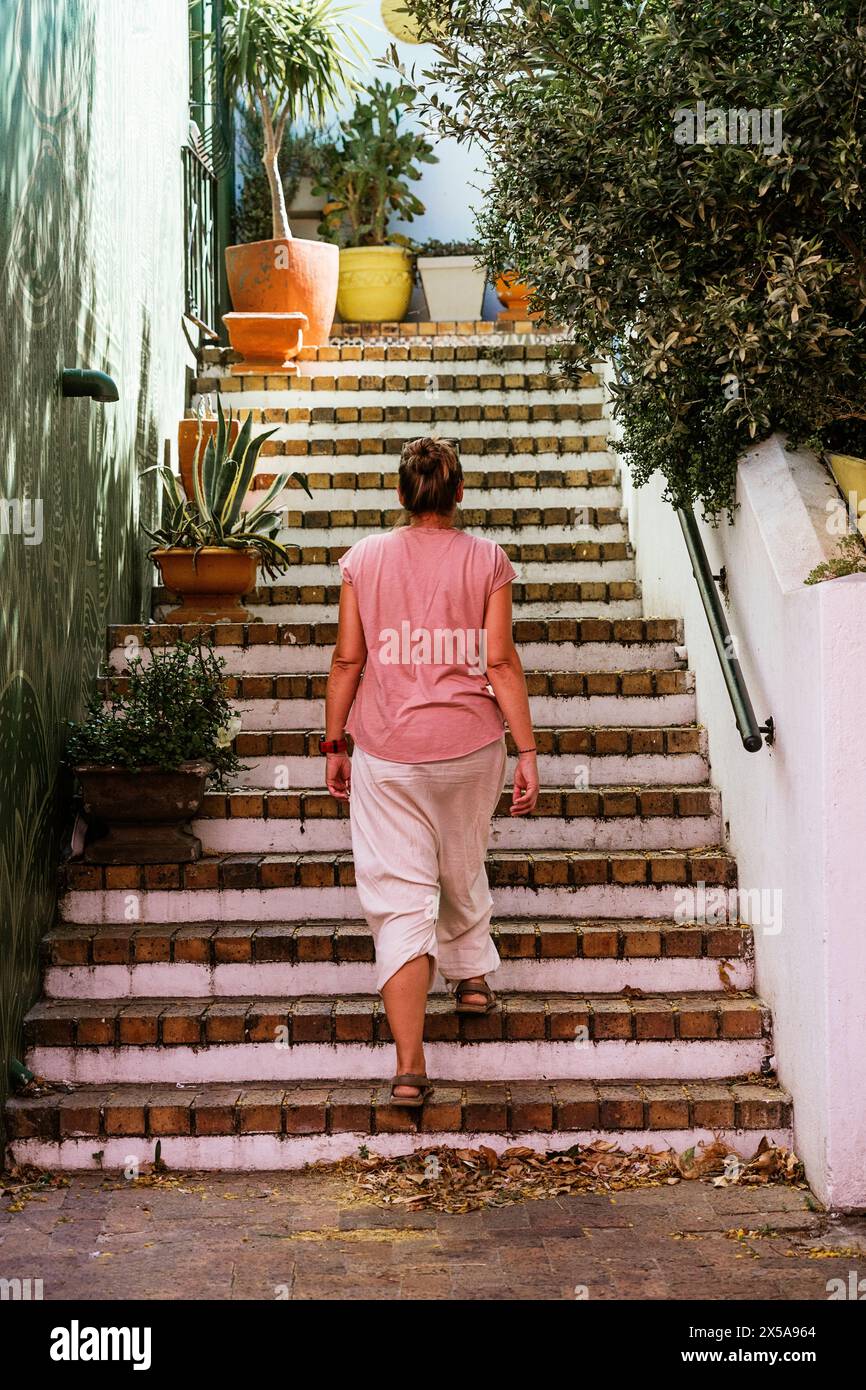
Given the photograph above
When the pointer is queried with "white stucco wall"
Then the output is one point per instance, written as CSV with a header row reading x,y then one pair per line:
x,y
795,813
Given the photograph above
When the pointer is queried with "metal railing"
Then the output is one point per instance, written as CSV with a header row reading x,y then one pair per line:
x,y
201,278
752,734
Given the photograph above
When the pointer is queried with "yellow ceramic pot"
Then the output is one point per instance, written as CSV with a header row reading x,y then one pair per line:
x,y
850,474
375,284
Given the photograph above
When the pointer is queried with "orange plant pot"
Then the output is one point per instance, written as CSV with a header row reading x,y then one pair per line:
x,y
285,276
515,294
268,343
211,589
187,439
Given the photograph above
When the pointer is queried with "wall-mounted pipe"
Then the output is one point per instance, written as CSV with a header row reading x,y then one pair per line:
x,y
87,381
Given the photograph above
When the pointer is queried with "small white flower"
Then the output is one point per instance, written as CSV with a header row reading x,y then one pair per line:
x,y
229,731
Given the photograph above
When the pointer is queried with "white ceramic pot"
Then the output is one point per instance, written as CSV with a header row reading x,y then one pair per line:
x,y
453,287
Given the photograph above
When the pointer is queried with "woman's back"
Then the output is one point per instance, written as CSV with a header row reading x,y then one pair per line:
x,y
422,593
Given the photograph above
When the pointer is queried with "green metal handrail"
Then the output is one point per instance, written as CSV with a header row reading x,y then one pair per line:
x,y
752,734
210,222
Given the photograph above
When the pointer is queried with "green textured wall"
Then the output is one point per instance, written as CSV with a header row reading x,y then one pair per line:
x,y
93,112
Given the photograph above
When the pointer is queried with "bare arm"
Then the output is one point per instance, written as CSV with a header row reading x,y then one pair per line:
x,y
347,663
505,673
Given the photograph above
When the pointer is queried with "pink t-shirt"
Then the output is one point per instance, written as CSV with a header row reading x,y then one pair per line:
x,y
422,594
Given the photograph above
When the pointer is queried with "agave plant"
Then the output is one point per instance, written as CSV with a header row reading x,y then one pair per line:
x,y
222,475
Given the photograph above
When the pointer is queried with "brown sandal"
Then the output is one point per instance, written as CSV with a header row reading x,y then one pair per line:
x,y
467,987
408,1078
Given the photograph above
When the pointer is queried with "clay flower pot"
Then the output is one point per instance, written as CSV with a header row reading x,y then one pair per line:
x,y
187,439
212,588
285,277
147,812
375,284
515,295
268,343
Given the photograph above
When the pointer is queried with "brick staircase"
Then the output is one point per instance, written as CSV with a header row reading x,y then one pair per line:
x,y
227,1007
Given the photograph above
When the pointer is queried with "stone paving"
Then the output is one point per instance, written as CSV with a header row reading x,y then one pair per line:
x,y
300,1236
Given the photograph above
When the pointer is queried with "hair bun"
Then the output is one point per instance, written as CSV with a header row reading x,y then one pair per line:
x,y
428,458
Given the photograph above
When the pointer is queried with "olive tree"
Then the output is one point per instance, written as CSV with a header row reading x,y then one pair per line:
x,y
682,181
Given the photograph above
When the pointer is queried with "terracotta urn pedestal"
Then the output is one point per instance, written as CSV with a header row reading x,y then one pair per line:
x,y
211,583
147,813
268,343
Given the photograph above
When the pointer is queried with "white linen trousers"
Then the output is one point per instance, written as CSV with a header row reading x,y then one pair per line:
x,y
419,838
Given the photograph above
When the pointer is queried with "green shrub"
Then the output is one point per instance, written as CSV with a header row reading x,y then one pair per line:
x,y
175,711
727,279
850,558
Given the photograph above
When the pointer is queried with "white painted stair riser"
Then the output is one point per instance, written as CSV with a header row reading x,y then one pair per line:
x,y
275,979
270,1153
153,905
283,836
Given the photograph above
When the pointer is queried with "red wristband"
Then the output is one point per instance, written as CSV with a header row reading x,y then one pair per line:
x,y
333,745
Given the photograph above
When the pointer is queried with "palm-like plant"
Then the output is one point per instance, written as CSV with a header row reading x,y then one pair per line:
x,y
290,58
222,476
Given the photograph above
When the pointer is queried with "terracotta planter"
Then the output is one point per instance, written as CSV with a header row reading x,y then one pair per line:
x,y
375,284
268,343
284,277
515,295
187,438
453,287
212,588
147,813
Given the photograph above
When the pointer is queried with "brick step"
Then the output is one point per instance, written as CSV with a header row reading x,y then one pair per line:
x,y
531,574
576,868
530,1037
251,821
339,358
196,959
444,383
583,502
361,1018
579,646
618,599
328,595
289,758
621,884
520,553
523,533
588,437
512,479
337,421
438,329
554,803
285,1125
656,698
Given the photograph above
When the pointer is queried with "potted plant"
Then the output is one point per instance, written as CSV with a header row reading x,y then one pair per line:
x,y
515,294
286,58
454,279
365,180
191,434
209,548
143,759
844,447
